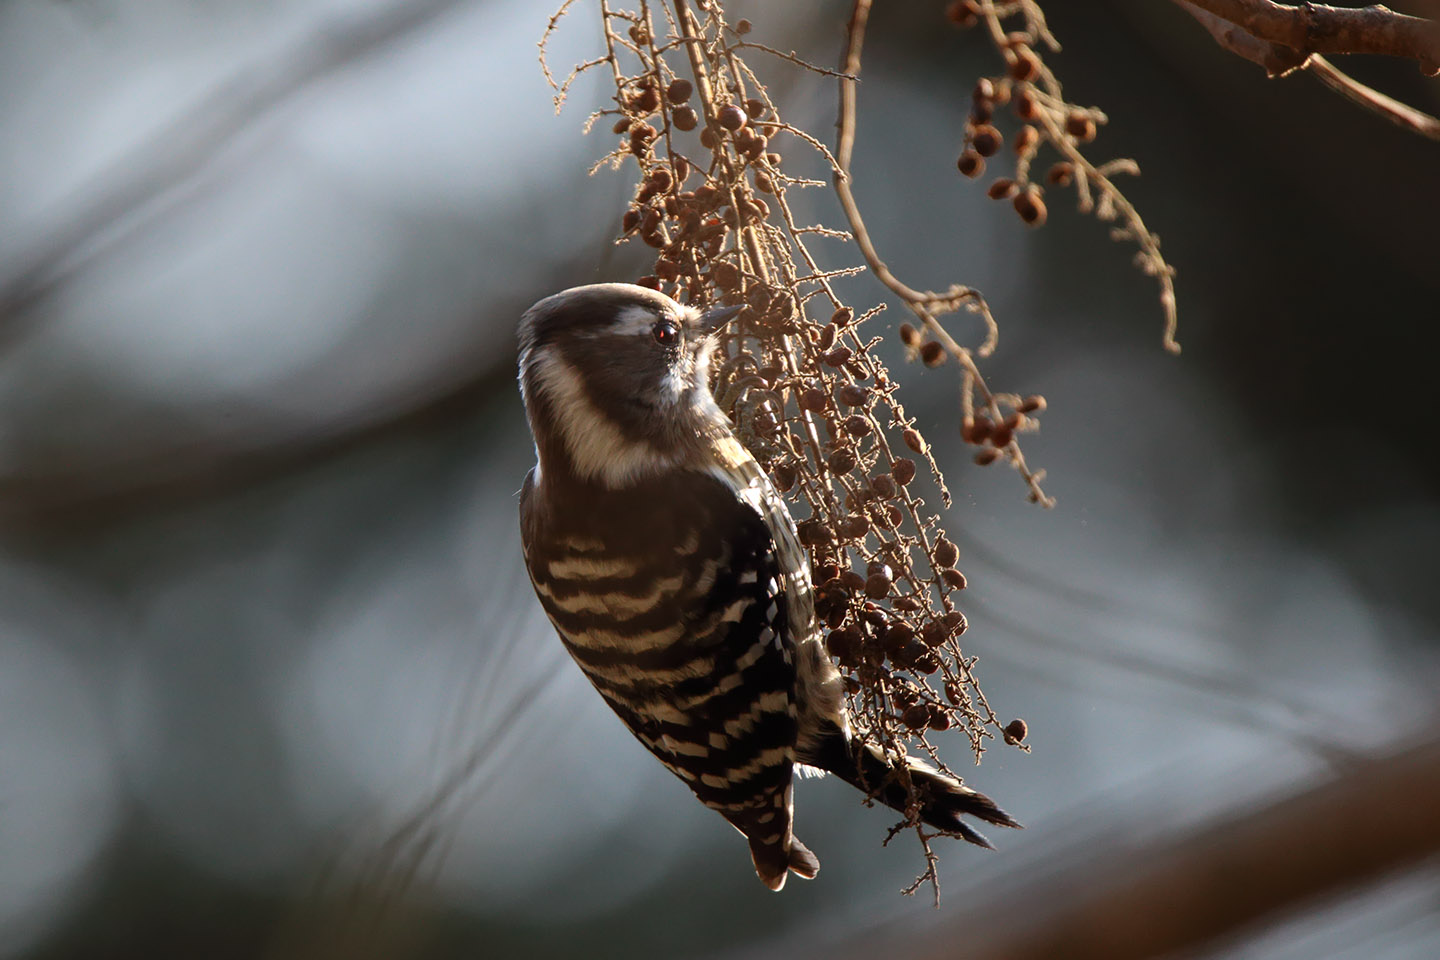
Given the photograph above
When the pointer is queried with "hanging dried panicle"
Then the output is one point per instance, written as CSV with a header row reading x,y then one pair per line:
x,y
797,370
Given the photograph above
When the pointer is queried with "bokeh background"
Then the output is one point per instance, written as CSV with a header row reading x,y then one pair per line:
x,y
272,681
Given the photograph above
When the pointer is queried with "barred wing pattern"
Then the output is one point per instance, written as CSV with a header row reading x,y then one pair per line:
x,y
670,597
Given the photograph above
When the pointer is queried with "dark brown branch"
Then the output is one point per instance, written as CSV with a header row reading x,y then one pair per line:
x,y
1280,61
1320,28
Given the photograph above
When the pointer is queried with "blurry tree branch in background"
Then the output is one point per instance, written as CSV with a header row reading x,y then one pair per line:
x,y
1284,40
179,150
1377,818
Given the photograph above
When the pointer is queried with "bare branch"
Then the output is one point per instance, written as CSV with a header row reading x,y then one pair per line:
x,y
1320,28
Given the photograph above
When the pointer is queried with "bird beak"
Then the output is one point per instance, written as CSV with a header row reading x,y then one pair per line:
x,y
716,317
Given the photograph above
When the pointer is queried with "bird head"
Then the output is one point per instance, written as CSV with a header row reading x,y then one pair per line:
x,y
615,381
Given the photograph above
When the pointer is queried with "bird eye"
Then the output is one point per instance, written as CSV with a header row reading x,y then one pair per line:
x,y
666,333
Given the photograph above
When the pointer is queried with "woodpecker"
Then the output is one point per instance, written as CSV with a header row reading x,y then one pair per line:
x,y
670,568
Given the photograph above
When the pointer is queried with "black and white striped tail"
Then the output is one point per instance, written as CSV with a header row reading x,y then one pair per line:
x,y
943,799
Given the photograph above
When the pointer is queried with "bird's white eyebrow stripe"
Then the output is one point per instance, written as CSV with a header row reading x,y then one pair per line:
x,y
633,320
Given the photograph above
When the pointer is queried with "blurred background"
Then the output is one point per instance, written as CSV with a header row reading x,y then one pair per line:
x,y
272,680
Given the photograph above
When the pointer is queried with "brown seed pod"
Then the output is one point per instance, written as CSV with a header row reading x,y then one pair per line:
x,y
1025,66
986,140
1002,435
902,470
1030,207
946,553
630,221
916,717
1016,731
884,486
852,581
977,429
725,274
743,26
856,425
939,719
955,623
1001,188
954,579
907,604
927,662
844,645
842,317
932,353
1061,174
685,118
853,396
909,335
987,456
622,125
854,528
984,90
897,635
1027,108
982,111
1026,140
755,107
814,533
653,282
915,441
827,337
971,164
679,90
813,399
963,13
836,357
731,117
646,102
1033,404
842,460
879,568
1080,127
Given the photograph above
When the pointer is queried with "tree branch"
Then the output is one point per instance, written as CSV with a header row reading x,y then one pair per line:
x,y
1320,28
1280,61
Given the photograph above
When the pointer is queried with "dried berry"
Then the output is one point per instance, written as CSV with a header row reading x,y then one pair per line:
x,y
954,623
836,357
813,399
630,221
1025,66
987,456
743,26
842,316
853,396
879,568
971,164
652,282
1030,207
977,429
1002,436
1062,174
814,533
902,470
622,125
986,140
1026,107
1080,127
927,662
963,13
908,604
842,460
932,353
853,528
954,579
982,111
1033,404
685,118
909,335
1026,140
1016,731
856,425
916,717
679,90
785,476
844,645
1001,188
914,441
709,139
731,117
755,108
939,719
647,101
946,553
884,486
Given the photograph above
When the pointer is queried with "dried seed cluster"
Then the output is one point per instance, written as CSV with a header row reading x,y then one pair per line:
x,y
1045,119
